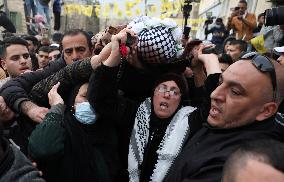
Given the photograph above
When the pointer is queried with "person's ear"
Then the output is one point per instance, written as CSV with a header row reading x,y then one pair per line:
x,y
267,110
3,64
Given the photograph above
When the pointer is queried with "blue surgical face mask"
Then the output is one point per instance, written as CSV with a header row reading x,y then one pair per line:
x,y
84,113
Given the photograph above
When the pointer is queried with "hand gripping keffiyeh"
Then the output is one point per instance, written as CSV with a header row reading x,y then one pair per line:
x,y
169,148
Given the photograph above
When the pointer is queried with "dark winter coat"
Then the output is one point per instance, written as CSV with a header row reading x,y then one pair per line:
x,y
14,166
67,150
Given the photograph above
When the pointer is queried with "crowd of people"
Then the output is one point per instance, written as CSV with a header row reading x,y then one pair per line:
x,y
37,13
142,102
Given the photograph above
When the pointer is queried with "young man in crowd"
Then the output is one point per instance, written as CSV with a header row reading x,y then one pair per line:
x,y
260,19
43,57
76,45
53,53
32,47
15,57
16,61
236,48
32,43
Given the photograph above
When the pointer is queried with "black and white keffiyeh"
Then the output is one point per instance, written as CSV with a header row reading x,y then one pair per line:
x,y
158,40
157,45
169,148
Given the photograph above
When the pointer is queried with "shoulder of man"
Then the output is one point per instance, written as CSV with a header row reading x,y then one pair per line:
x,y
279,126
251,14
16,90
20,168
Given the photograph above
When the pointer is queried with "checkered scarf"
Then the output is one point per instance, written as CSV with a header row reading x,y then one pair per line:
x,y
171,145
158,40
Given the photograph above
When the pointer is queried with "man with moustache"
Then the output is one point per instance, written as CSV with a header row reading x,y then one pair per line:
x,y
244,23
76,45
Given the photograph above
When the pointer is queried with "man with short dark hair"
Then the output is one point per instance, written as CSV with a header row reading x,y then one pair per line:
x,y
15,56
32,43
76,45
32,46
42,57
236,48
16,60
243,23
53,53
260,160
260,19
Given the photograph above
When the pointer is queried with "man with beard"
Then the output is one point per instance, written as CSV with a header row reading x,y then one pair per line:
x,y
244,23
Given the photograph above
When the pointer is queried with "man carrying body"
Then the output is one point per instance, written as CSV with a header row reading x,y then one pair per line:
x,y
243,108
76,45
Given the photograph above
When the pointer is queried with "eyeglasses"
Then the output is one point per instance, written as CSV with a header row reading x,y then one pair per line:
x,y
174,92
263,64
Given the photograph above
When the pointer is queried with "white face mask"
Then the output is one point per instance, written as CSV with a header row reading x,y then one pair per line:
x,y
84,113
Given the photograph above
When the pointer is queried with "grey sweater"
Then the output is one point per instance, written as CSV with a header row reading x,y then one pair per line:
x,y
21,169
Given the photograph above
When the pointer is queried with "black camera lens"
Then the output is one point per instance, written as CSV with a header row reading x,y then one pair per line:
x,y
274,16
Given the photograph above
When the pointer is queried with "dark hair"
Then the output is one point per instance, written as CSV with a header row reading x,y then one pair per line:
x,y
225,58
243,1
12,41
260,15
219,20
43,49
31,38
242,44
266,151
57,37
228,39
52,48
74,32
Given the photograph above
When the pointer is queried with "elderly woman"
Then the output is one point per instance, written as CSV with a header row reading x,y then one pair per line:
x,y
156,127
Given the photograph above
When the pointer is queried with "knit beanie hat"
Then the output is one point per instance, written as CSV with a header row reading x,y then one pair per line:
x,y
158,40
